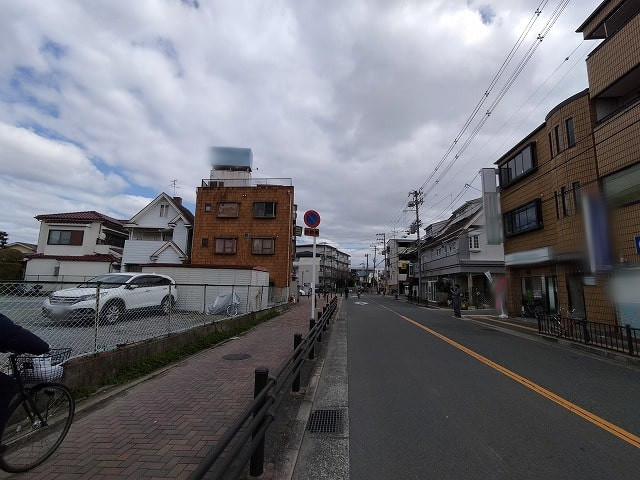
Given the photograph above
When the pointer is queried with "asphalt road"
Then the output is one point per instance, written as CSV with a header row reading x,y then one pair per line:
x,y
435,397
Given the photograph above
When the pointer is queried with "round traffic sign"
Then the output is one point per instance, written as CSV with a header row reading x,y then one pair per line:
x,y
311,218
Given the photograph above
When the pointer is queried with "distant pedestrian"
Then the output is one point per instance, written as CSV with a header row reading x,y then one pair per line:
x,y
346,292
455,300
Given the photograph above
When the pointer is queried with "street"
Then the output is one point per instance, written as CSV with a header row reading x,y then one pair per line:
x,y
432,396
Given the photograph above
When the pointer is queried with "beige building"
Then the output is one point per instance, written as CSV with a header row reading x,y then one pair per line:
x,y
570,191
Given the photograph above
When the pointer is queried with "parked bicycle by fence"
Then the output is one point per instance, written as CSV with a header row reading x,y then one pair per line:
x,y
41,413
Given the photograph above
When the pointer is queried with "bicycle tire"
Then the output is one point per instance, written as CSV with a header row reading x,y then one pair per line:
x,y
26,443
232,310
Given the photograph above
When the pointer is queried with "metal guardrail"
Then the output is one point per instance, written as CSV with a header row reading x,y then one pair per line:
x,y
249,430
611,337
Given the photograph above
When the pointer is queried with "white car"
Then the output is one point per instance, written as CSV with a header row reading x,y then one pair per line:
x,y
119,292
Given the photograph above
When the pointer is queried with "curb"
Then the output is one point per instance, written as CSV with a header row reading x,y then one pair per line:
x,y
533,332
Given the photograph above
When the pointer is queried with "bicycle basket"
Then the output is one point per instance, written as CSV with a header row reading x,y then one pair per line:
x,y
42,368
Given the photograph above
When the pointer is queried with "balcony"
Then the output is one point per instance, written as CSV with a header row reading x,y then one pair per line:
x,y
612,59
245,182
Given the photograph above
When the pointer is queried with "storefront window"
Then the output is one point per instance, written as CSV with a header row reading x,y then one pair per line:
x,y
539,295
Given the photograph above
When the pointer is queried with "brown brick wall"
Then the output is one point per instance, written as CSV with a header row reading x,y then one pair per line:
x,y
618,141
572,164
605,65
244,228
606,9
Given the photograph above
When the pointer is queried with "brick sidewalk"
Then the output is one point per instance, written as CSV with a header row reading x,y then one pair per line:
x,y
163,427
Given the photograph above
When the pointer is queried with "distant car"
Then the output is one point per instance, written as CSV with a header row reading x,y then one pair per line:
x,y
119,292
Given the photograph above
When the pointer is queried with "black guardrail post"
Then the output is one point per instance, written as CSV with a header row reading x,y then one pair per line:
x,y
297,340
629,338
585,331
257,459
312,353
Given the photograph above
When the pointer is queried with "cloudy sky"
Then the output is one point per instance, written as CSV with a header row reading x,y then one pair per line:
x,y
104,103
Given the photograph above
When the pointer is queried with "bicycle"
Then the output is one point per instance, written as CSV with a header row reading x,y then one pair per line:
x,y
40,413
232,309
563,326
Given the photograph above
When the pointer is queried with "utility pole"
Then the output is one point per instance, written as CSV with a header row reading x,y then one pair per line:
x,y
366,271
418,199
384,254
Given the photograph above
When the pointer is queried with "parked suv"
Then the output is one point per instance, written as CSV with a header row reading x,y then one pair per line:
x,y
119,292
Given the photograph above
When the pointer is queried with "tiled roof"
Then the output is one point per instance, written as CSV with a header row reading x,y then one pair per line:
x,y
82,217
91,216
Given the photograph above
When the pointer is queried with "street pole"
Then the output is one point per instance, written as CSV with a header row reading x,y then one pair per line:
x,y
417,200
313,280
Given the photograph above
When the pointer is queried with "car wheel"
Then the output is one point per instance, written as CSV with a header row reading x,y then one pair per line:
x,y
167,304
111,313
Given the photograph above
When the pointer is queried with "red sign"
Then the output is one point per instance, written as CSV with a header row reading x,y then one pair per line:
x,y
311,218
312,232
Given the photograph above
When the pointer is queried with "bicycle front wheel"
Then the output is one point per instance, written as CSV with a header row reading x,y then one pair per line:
x,y
36,427
232,310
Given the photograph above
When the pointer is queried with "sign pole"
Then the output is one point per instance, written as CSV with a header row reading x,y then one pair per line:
x,y
312,220
313,281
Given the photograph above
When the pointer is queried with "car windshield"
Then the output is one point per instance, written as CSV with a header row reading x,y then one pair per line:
x,y
106,281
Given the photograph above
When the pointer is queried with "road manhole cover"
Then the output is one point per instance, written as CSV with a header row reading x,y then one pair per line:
x,y
325,421
237,356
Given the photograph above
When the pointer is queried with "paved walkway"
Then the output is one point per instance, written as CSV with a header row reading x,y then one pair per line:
x,y
163,427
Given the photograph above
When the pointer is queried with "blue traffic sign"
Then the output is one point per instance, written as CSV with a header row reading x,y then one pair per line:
x,y
638,244
311,218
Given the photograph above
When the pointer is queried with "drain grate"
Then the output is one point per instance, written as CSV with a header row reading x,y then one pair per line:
x,y
325,421
237,356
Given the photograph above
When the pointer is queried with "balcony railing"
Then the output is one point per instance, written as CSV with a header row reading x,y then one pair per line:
x,y
245,182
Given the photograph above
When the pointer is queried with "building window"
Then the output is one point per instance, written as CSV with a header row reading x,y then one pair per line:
x,y
571,136
204,243
521,164
228,209
623,187
474,242
207,207
164,210
263,246
558,139
65,237
226,245
577,197
563,198
264,210
523,219
550,146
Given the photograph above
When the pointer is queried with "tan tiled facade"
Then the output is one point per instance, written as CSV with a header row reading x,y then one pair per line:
x,y
242,227
546,252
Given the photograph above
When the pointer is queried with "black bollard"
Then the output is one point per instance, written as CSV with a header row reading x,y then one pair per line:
x,y
257,459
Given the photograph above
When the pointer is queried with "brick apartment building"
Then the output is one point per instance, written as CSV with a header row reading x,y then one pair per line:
x,y
244,222
558,253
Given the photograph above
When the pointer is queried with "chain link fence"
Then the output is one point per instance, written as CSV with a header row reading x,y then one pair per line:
x,y
94,317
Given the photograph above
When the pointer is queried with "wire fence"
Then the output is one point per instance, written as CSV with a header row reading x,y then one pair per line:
x,y
89,318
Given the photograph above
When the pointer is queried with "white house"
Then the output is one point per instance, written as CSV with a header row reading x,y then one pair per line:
x,y
160,233
74,246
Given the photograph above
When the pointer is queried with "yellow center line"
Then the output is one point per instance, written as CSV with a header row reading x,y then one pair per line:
x,y
572,407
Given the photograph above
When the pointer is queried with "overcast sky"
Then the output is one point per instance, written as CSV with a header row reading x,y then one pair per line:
x,y
103,104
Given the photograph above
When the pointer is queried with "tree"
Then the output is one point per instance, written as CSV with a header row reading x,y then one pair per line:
x,y
3,239
10,264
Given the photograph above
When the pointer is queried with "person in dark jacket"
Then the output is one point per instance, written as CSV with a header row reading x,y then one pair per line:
x,y
14,338
455,300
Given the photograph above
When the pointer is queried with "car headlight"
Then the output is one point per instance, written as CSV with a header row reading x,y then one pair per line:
x,y
90,296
